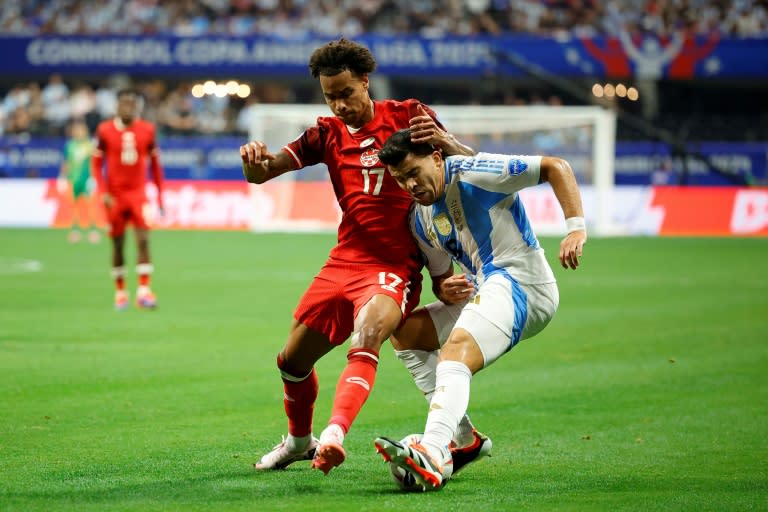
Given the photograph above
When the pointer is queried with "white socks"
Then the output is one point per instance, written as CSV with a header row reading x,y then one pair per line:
x,y
333,433
297,444
449,403
422,365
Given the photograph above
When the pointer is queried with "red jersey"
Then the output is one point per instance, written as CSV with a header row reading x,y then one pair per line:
x,y
374,226
126,149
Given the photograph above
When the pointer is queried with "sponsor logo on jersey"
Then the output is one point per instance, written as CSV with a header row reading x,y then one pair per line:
x,y
370,158
367,142
360,382
442,224
516,167
458,218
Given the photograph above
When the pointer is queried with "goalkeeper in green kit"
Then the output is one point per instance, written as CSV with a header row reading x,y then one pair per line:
x,y
75,175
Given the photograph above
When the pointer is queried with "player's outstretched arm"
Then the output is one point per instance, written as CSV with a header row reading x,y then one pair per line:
x,y
259,165
560,176
97,161
425,129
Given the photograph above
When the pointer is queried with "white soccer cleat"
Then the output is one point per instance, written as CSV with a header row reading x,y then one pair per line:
x,y
415,460
405,480
281,457
330,452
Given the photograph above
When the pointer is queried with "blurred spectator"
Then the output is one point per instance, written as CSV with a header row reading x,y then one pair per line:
x,y
176,114
56,103
19,123
664,174
82,104
106,102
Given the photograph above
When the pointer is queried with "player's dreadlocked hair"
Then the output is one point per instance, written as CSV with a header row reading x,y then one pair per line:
x,y
399,145
337,56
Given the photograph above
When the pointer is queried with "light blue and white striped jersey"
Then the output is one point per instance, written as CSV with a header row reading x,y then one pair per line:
x,y
480,221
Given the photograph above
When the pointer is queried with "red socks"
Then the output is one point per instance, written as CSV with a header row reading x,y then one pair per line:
x,y
354,386
300,394
118,274
352,391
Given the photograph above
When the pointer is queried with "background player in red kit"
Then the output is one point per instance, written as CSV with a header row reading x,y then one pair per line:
x,y
126,142
372,278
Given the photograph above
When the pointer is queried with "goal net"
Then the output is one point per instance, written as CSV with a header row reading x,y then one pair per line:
x,y
585,136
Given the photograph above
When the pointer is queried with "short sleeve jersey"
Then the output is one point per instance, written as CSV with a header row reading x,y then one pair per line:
x,y
125,150
77,154
374,225
480,221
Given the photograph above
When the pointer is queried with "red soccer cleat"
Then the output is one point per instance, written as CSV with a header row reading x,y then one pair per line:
x,y
121,300
146,300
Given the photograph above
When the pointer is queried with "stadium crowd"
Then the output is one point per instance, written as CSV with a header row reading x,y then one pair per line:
x,y
298,18
46,107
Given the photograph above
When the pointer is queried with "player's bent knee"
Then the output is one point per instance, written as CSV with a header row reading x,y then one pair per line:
x,y
462,347
371,340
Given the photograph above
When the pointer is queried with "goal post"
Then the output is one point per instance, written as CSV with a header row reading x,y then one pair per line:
x,y
583,135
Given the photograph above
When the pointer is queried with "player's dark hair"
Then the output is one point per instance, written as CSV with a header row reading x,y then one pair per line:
x,y
399,145
337,56
127,92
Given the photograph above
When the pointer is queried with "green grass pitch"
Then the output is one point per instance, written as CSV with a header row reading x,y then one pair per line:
x,y
648,391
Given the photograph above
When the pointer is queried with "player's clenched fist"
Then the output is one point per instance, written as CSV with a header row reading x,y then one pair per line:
x,y
256,160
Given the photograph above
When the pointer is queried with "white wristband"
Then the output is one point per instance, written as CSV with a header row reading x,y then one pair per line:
x,y
575,224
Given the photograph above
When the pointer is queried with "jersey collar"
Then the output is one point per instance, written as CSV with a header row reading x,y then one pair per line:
x,y
119,124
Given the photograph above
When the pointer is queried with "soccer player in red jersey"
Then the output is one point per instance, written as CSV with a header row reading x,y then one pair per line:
x,y
126,142
372,278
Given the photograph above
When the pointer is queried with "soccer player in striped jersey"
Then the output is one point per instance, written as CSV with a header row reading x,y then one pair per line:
x,y
468,212
372,278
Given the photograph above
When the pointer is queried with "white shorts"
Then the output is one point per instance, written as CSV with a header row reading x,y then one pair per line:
x,y
502,313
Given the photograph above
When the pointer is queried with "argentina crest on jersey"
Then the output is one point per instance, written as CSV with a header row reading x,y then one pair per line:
x,y
442,224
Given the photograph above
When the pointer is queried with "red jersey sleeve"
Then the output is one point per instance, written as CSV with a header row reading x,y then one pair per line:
x,y
309,148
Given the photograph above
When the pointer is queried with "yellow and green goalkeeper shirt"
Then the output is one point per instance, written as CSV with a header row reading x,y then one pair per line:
x,y
77,154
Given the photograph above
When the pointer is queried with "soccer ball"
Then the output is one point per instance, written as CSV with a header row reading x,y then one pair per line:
x,y
402,478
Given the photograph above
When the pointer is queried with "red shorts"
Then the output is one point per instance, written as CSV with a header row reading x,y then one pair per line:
x,y
340,290
125,209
